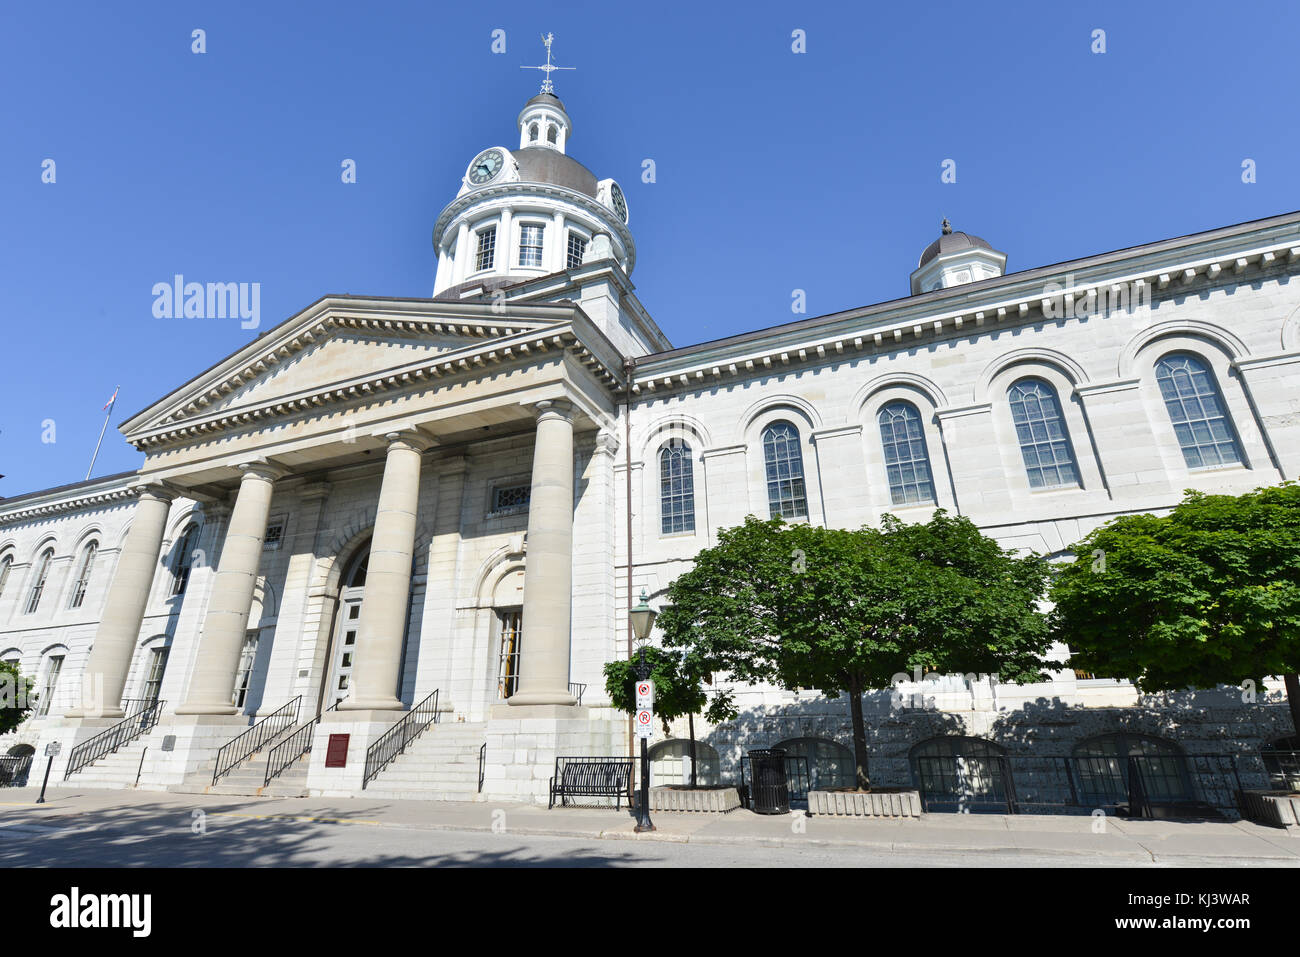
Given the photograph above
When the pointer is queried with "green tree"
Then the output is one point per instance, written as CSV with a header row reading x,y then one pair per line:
x,y
679,690
15,697
1208,594
848,611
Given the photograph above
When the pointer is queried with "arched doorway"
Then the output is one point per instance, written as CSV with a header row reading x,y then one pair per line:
x,y
670,763
352,589
15,765
1103,764
830,764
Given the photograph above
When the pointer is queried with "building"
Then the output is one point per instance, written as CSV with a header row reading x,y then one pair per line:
x,y
379,499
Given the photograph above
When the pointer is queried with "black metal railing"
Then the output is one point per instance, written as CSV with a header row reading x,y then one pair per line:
x,y
1137,785
394,741
239,749
482,764
132,705
109,740
798,778
14,769
293,747
577,689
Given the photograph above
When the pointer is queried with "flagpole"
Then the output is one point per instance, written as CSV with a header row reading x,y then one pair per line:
x,y
102,429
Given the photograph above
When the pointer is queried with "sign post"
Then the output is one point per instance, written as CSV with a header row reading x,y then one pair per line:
x,y
51,750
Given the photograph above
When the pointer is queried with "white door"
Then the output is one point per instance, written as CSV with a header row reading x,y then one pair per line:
x,y
345,645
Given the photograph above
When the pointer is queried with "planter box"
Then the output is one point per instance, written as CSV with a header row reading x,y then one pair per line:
x,y
895,804
1275,808
710,801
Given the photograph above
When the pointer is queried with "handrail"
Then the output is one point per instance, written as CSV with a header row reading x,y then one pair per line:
x,y
577,689
482,761
292,748
110,739
235,751
394,741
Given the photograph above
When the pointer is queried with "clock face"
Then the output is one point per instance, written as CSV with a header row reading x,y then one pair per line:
x,y
486,165
620,204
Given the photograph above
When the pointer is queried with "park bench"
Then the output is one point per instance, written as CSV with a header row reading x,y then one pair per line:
x,y
591,777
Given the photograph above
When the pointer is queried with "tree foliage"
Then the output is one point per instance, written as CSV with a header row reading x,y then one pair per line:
x,y
679,687
16,697
847,611
1206,595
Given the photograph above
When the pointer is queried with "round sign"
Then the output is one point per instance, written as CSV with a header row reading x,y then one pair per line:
x,y
644,717
643,689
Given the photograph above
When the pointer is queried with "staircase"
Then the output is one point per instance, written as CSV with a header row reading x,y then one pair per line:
x,y
248,779
116,770
440,765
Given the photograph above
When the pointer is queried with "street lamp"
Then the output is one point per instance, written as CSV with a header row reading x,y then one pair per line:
x,y
643,619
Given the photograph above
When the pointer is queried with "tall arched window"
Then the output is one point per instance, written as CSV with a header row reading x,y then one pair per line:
x,y
1196,411
676,489
532,133
1044,441
184,560
783,461
39,579
907,463
551,134
6,564
83,574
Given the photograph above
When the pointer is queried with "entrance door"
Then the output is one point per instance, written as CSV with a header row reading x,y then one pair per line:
x,y
349,620
510,624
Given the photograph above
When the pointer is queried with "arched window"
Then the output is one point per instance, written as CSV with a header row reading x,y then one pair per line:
x,y
1044,442
1282,762
670,763
551,134
830,764
532,133
907,462
1104,765
53,668
1196,411
184,560
783,461
6,564
83,574
676,489
959,773
39,579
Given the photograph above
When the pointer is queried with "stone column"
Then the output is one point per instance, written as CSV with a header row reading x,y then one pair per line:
x,y
464,255
119,626
222,637
548,579
388,579
558,253
504,261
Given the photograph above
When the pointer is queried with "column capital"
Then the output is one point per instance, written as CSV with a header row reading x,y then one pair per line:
x,y
607,442
158,491
553,409
263,469
408,438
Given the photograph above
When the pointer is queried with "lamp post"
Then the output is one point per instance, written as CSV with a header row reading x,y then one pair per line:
x,y
643,619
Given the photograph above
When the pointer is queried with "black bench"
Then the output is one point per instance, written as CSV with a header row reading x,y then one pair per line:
x,y
591,777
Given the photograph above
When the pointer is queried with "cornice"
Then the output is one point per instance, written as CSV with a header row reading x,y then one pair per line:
x,y
43,505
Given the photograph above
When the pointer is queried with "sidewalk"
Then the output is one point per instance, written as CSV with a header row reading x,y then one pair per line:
x,y
1120,841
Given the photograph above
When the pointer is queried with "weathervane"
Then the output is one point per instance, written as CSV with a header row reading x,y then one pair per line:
x,y
547,85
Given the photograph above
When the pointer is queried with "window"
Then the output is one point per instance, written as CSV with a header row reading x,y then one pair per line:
x,y
551,134
52,670
830,764
1196,411
577,249
487,245
154,676
184,560
83,575
509,499
959,773
670,763
39,579
532,133
511,625
5,566
247,657
783,461
676,489
907,463
1104,764
274,535
530,244
1044,443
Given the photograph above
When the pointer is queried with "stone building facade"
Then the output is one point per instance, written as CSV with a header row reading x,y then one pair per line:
x,y
382,498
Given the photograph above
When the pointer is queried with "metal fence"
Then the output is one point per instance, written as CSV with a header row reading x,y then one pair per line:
x,y
1141,785
14,769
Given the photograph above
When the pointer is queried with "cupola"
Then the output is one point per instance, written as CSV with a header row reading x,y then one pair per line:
x,y
956,258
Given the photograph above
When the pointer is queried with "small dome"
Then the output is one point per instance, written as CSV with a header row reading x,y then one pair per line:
x,y
951,242
538,164
548,99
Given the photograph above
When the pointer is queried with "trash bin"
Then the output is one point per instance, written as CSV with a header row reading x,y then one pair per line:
x,y
771,793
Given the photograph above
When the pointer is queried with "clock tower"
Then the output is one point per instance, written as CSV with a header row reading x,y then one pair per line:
x,y
529,212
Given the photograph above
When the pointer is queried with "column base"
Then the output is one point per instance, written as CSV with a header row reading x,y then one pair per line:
x,y
371,704
527,698
216,711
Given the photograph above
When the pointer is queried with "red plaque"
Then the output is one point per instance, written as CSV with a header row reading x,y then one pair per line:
x,y
336,754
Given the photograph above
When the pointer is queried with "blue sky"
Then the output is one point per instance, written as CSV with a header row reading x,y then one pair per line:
x,y
775,170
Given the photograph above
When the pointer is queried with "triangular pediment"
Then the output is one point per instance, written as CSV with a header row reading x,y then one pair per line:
x,y
335,341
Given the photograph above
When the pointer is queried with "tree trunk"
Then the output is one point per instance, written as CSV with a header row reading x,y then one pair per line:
x,y
859,734
1293,699
690,723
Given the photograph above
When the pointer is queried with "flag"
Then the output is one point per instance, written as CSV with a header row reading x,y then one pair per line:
x,y
113,399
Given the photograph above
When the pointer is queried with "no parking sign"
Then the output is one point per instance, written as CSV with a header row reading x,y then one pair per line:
x,y
645,716
645,727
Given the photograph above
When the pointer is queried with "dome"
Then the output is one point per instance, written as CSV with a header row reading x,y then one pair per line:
x,y
951,242
540,164
547,99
